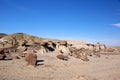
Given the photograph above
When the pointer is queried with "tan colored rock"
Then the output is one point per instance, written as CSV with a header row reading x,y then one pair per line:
x,y
103,47
22,48
97,50
62,47
97,47
41,50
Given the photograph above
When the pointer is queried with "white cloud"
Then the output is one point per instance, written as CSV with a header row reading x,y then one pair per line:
x,y
116,25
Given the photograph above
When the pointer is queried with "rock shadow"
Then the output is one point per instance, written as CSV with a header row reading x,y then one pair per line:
x,y
39,62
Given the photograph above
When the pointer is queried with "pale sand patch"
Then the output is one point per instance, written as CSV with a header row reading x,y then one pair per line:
x,y
50,68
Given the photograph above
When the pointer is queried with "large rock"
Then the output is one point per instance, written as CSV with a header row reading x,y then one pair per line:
x,y
31,59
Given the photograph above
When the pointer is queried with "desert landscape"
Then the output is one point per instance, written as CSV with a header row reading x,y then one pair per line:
x,y
106,66
59,39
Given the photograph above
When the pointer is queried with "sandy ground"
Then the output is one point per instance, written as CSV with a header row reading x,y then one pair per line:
x,y
50,68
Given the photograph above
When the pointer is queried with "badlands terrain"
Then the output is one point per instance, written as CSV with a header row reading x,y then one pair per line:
x,y
49,67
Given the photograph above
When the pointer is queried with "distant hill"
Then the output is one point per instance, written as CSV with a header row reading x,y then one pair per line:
x,y
2,35
23,36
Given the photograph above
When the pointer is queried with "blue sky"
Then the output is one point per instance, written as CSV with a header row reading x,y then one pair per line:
x,y
88,20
